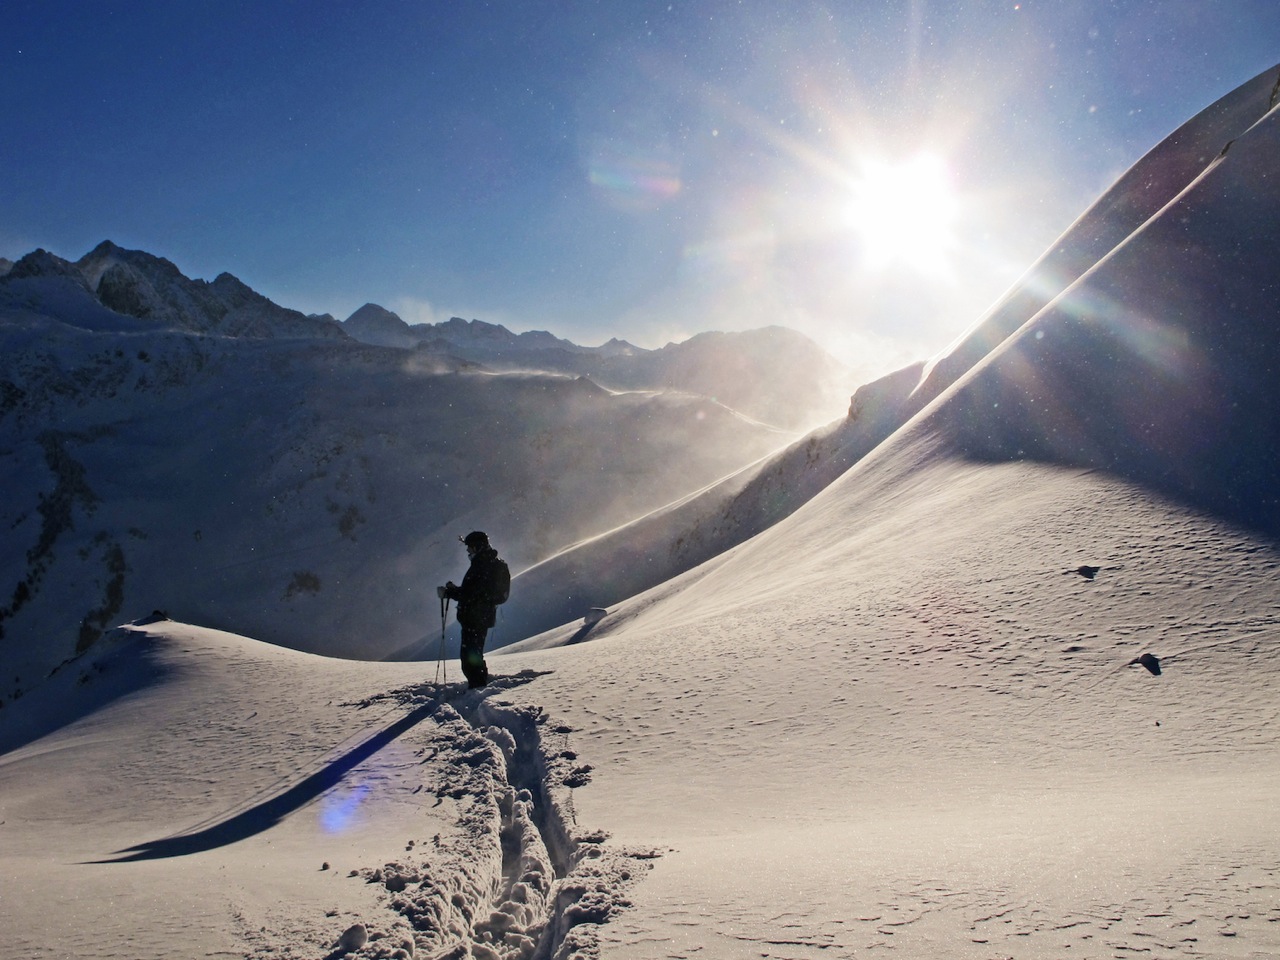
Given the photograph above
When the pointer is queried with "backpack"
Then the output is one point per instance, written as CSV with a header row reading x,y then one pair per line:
x,y
499,581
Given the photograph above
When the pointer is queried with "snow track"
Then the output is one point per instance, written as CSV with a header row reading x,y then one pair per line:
x,y
522,881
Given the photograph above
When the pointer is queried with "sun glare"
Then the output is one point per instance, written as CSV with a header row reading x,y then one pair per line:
x,y
903,214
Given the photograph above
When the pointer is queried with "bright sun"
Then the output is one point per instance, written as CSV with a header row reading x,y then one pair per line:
x,y
904,213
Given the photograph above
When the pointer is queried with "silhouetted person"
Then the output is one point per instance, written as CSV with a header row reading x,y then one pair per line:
x,y
478,597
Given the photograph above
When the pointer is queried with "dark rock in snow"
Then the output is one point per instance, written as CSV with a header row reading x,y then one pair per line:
x,y
1150,661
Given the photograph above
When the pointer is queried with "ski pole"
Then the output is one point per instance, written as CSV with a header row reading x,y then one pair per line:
x,y
442,669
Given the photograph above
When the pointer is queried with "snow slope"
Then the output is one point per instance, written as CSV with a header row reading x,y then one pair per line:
x,y
678,536
220,796
910,719
901,722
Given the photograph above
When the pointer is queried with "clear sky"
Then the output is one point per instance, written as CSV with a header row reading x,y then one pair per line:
x,y
874,174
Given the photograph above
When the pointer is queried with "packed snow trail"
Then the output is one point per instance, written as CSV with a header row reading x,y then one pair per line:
x,y
529,884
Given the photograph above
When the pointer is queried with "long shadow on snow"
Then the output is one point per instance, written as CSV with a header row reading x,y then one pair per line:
x,y
270,812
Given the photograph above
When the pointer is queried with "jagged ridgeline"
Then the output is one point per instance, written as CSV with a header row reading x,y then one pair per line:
x,y
190,446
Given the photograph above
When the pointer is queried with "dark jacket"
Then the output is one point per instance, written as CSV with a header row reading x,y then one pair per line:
x,y
475,605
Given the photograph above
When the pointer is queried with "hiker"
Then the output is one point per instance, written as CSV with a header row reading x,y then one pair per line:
x,y
484,586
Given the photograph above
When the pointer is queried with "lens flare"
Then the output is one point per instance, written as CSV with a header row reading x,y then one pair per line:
x,y
632,179
340,808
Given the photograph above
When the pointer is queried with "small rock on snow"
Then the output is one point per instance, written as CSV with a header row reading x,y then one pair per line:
x,y
354,937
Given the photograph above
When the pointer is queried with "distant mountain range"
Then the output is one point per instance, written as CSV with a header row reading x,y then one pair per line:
x,y
378,325
773,374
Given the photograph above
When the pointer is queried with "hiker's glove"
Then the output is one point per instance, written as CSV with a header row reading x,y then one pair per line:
x,y
441,592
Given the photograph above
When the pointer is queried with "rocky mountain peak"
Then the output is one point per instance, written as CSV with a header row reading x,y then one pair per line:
x,y
377,325
42,263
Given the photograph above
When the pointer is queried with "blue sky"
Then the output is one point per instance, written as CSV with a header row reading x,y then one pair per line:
x,y
641,170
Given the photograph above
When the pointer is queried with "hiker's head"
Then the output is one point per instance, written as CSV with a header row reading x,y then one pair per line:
x,y
475,541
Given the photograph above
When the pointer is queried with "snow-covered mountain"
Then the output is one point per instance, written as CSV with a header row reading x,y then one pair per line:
x,y
153,424
1004,686
135,284
380,327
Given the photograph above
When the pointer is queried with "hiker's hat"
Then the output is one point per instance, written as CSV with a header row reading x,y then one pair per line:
x,y
475,539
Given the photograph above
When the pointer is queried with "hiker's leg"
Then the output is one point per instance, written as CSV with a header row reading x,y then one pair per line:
x,y
472,656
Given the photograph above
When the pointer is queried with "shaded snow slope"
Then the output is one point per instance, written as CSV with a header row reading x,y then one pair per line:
x,y
310,493
1160,365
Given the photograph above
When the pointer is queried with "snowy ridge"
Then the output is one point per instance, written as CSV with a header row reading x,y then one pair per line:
x,y
1143,368
377,325
652,550
136,284
1142,192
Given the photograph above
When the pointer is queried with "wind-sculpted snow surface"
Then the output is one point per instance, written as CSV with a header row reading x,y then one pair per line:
x,y
902,720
